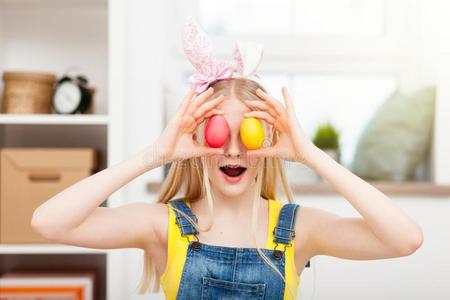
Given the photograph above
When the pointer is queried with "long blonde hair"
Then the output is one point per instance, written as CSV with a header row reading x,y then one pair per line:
x,y
190,177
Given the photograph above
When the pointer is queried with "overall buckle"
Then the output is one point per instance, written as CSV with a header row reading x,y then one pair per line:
x,y
196,245
278,254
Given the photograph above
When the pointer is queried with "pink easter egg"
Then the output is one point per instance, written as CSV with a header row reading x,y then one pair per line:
x,y
216,131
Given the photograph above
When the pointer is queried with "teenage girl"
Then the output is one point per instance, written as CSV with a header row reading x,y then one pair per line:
x,y
218,229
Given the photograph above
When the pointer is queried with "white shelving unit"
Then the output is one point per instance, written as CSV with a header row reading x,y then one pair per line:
x,y
57,36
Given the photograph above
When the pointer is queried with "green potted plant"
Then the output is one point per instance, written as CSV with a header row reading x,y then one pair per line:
x,y
326,138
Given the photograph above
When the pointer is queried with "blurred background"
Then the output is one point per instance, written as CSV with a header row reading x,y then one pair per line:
x,y
87,83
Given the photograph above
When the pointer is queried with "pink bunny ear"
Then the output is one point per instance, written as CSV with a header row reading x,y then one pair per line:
x,y
198,50
247,56
196,46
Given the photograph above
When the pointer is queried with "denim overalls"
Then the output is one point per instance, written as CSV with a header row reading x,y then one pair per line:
x,y
219,272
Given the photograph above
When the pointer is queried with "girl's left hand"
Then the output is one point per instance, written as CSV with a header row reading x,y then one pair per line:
x,y
293,144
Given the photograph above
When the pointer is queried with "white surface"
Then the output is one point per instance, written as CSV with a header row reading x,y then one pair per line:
x,y
441,150
46,249
53,119
423,275
115,264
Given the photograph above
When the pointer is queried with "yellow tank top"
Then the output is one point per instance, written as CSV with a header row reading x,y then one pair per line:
x,y
177,249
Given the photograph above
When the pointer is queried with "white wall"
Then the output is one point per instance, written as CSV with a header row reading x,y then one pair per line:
x,y
144,63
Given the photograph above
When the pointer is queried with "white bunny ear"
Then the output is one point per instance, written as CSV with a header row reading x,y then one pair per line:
x,y
247,56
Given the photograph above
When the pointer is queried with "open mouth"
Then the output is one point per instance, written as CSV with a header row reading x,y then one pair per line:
x,y
233,170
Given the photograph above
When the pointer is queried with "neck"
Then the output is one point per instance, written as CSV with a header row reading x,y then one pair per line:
x,y
236,205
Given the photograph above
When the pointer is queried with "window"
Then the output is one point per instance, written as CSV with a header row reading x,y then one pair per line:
x,y
292,17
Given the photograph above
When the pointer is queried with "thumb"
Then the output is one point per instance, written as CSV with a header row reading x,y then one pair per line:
x,y
262,152
207,151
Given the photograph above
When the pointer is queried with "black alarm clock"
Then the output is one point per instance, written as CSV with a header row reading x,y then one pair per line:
x,y
71,95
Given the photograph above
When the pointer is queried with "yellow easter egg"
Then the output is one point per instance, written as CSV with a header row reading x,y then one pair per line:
x,y
252,133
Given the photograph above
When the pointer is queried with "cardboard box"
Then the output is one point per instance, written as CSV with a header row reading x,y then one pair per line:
x,y
31,176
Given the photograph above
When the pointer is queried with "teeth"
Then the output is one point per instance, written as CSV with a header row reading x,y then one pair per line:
x,y
232,166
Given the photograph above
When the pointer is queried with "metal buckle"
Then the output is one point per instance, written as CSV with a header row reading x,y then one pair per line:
x,y
196,245
278,254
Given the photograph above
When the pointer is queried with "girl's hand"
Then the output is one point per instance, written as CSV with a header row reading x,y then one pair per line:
x,y
176,142
293,144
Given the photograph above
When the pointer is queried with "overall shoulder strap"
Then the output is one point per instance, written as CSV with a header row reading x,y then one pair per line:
x,y
284,231
182,222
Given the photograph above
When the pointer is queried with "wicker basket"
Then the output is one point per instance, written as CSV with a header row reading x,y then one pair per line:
x,y
27,92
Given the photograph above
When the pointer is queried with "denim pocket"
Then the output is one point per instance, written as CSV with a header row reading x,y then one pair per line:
x,y
223,289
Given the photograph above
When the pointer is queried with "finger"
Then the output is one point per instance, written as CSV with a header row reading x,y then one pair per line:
x,y
261,115
271,101
208,151
190,121
192,124
210,114
287,99
262,152
200,99
262,105
185,102
205,116
208,106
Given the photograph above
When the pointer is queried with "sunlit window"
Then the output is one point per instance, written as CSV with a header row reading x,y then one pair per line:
x,y
291,17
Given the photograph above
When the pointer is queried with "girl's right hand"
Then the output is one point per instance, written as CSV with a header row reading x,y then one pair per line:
x,y
176,142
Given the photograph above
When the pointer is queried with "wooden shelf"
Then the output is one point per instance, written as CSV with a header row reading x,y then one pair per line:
x,y
46,249
46,119
389,188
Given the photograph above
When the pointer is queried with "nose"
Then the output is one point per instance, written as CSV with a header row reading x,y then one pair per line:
x,y
233,147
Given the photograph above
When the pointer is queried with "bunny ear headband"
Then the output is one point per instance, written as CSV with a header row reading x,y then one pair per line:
x,y
197,47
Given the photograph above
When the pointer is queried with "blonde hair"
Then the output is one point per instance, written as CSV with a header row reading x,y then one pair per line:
x,y
192,176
